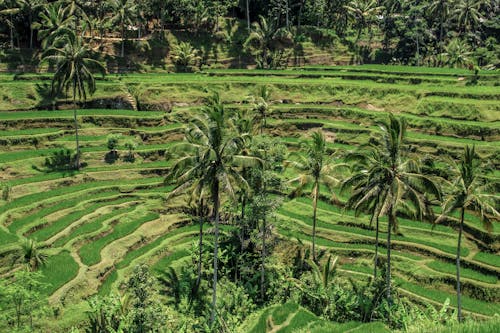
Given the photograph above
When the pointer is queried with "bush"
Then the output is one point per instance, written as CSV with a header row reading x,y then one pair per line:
x,y
113,140
63,159
6,188
130,145
184,57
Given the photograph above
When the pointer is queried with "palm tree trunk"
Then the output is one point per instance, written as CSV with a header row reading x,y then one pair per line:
x,y
11,32
315,206
391,218
31,31
248,13
215,194
75,120
375,260
200,246
123,40
459,300
262,267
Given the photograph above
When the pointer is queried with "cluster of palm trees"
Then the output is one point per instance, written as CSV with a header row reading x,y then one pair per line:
x,y
384,178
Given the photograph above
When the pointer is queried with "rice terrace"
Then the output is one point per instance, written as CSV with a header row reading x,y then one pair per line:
x,y
249,166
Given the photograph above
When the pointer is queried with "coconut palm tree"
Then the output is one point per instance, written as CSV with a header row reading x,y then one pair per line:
x,y
457,53
361,200
397,183
125,13
264,39
315,169
210,157
468,13
390,181
52,23
440,9
30,255
74,73
363,13
468,192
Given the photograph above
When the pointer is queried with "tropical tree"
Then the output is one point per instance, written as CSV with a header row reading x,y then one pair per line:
x,y
267,42
361,201
74,73
469,191
125,13
457,53
468,14
31,255
316,170
440,9
393,183
210,157
261,105
9,8
51,24
363,13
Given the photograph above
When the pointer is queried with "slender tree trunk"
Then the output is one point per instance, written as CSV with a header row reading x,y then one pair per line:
x,y
262,267
11,32
215,194
248,13
391,218
315,206
75,120
299,18
123,40
287,16
459,298
200,246
31,32
376,248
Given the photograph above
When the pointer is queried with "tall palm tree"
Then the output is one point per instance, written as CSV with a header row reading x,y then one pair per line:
x,y
74,73
441,10
393,183
360,200
124,14
210,156
398,179
468,192
316,170
30,255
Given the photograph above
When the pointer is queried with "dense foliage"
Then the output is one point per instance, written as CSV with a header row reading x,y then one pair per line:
x,y
455,33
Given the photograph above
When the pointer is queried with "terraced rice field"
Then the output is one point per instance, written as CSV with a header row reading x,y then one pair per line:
x,y
100,221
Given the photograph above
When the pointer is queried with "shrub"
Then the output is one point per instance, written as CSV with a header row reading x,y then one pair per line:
x,y
6,188
63,159
130,145
113,140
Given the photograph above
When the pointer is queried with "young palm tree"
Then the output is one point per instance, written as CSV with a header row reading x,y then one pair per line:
x,y
124,13
316,168
74,73
210,157
30,255
468,192
261,105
